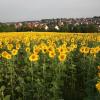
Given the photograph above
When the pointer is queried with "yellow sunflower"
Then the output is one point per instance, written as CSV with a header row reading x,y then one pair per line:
x,y
92,51
82,49
34,57
27,49
86,50
99,74
18,46
62,57
44,49
6,55
52,54
50,48
14,52
72,39
98,67
9,46
98,86
61,50
36,50
97,49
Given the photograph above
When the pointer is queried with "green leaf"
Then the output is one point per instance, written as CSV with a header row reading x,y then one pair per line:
x,y
3,88
6,97
18,89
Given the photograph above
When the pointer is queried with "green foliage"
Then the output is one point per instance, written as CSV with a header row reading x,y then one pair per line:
x,y
7,28
73,79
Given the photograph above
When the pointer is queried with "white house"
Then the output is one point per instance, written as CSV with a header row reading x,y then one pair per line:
x,y
57,27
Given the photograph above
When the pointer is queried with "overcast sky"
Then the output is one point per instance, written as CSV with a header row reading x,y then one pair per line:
x,y
20,10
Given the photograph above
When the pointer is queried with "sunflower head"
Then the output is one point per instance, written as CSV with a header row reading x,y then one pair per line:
x,y
36,50
98,67
52,54
92,51
86,50
14,52
98,86
34,57
6,55
62,57
44,49
18,46
72,40
9,46
27,49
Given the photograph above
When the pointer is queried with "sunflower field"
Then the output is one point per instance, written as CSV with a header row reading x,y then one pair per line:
x,y
49,66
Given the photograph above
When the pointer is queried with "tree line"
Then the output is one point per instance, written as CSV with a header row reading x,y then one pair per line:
x,y
82,28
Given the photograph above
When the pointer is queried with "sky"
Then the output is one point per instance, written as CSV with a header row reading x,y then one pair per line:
x,y
22,10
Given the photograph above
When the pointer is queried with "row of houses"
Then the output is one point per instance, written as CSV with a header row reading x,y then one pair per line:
x,y
57,23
